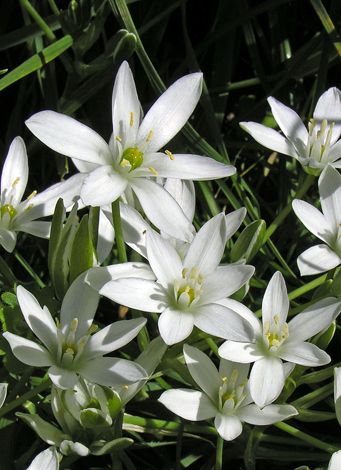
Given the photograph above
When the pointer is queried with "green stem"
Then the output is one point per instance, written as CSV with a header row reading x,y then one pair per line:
x,y
286,211
306,438
7,273
27,396
39,20
54,7
219,453
28,268
116,217
307,287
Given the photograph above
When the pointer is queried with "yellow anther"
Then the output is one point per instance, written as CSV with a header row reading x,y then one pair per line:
x,y
32,195
200,279
155,173
118,138
70,351
150,136
234,376
28,208
131,119
125,387
194,273
244,382
312,120
224,379
324,124
184,273
266,327
73,325
124,163
169,154
276,318
57,323
16,181
92,329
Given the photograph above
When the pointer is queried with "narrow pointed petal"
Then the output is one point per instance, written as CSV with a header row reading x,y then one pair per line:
x,y
193,167
14,173
140,294
291,125
103,186
275,301
207,248
219,321
317,259
183,192
234,220
334,153
36,228
69,137
171,111
112,337
47,459
305,354
240,352
203,371
164,260
270,414
314,319
97,277
111,372
329,107
134,229
8,239
335,461
3,393
266,380
162,210
189,404
245,313
28,352
317,223
228,427
330,194
106,237
46,431
62,378
337,393
269,138
175,326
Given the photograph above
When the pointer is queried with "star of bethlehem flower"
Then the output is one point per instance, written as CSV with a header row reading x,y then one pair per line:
x,y
325,225
17,216
277,340
225,396
186,290
131,160
68,348
314,147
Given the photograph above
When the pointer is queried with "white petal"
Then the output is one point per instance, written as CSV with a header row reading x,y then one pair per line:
x,y
8,239
36,228
46,431
270,414
171,111
207,248
228,427
112,337
314,220
193,167
175,326
317,259
305,354
269,138
335,153
14,173
164,260
28,351
314,319
69,137
245,313
183,192
106,237
111,372
189,404
203,371
68,447
337,393
266,380
233,221
275,301
329,107
134,229
291,125
48,459
140,294
162,210
62,378
3,393
217,320
335,461
330,194
240,352
103,186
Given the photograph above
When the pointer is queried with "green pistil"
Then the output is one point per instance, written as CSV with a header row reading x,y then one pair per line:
x,y
189,291
132,156
10,209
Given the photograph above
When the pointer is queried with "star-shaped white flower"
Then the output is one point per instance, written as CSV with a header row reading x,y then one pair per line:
x,y
131,161
277,340
326,225
225,397
186,290
17,216
68,348
314,147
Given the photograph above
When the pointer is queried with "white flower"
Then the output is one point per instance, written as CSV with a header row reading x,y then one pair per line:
x,y
132,157
337,393
17,216
326,226
48,460
335,461
277,340
3,393
68,347
225,397
186,291
314,147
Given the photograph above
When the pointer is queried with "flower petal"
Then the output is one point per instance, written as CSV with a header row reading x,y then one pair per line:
x,y
330,195
69,137
28,352
189,404
183,192
315,221
266,380
175,325
337,393
329,107
233,221
46,431
8,239
335,461
305,354
240,352
245,313
47,459
62,378
317,259
103,186
270,414
228,427
275,301
14,173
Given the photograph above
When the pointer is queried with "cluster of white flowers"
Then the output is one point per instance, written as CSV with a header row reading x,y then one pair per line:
x,y
181,279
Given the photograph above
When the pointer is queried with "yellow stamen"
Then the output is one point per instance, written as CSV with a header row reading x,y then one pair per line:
x,y
131,119
28,208
118,138
276,318
32,195
16,181
169,154
155,173
124,163
150,136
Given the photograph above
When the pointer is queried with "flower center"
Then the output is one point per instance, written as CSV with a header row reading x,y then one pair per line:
x,y
273,333
133,157
8,209
228,392
319,141
188,288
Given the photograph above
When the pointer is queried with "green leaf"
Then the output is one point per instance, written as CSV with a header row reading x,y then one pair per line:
x,y
112,446
82,251
249,242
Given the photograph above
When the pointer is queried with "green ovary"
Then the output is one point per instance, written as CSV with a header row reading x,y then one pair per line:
x,y
132,156
10,209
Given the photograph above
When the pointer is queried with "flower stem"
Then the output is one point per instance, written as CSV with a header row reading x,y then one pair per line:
x,y
219,453
27,396
116,217
286,211
7,273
